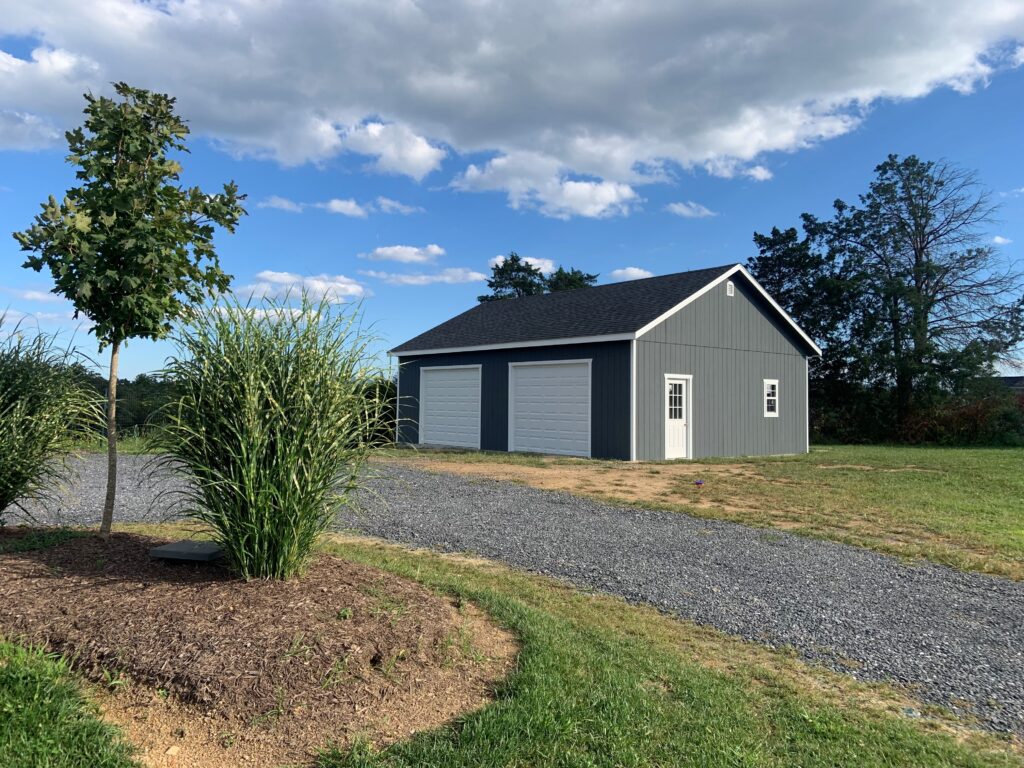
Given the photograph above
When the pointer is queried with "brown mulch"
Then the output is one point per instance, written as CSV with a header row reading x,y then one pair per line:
x,y
264,671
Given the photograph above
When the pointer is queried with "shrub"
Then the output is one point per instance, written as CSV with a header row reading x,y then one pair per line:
x,y
44,405
272,426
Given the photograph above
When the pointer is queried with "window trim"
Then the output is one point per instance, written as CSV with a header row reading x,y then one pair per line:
x,y
730,289
765,383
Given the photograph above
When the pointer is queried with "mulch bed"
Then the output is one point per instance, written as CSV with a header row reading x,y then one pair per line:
x,y
291,665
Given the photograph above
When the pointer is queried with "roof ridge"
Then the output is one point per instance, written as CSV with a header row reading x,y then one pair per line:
x,y
721,267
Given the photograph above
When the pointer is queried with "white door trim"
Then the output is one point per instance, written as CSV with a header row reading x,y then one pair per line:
x,y
688,378
480,399
537,363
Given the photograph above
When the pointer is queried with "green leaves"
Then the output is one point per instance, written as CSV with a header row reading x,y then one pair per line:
x,y
514,277
128,247
909,302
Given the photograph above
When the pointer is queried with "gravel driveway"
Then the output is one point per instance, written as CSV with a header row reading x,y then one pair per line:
x,y
957,638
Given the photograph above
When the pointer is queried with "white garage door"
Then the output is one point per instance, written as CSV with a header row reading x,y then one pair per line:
x,y
450,406
549,407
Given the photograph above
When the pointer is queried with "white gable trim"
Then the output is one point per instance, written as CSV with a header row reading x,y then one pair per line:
x,y
739,268
717,281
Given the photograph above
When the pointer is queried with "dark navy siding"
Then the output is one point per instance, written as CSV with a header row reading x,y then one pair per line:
x,y
609,399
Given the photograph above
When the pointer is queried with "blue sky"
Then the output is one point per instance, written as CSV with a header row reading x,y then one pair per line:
x,y
439,162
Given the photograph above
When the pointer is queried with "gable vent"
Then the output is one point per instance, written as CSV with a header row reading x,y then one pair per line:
x,y
730,289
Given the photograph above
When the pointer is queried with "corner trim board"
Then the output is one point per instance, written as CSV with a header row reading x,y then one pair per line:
x,y
632,400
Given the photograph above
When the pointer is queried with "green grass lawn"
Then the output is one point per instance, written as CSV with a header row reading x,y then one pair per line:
x,y
598,683
132,444
603,683
959,506
46,722
963,507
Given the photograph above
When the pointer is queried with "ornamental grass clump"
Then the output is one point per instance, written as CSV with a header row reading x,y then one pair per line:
x,y
46,405
274,423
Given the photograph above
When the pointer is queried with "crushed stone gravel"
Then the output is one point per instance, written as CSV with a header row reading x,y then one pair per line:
x,y
957,639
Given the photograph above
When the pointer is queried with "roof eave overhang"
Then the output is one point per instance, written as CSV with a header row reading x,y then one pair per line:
x,y
514,345
739,268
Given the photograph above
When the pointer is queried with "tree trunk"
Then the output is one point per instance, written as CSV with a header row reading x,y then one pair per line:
x,y
108,504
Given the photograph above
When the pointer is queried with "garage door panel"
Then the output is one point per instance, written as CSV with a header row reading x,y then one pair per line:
x,y
550,408
450,407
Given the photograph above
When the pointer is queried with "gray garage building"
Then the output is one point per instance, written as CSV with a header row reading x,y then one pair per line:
x,y
694,364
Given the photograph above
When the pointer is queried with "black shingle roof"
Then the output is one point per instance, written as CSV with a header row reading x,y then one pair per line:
x,y
599,311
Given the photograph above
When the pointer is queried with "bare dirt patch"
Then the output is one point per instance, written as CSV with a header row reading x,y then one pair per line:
x,y
206,670
657,484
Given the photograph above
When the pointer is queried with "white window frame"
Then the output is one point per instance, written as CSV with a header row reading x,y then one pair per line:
x,y
510,442
730,289
765,383
480,397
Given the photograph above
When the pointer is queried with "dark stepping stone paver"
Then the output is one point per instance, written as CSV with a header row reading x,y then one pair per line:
x,y
192,551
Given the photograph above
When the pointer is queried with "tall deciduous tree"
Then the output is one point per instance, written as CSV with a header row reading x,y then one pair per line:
x,y
563,279
128,246
901,287
944,304
513,277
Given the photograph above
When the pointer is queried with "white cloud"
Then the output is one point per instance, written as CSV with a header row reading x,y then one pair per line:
x,y
407,254
387,205
44,296
19,130
758,173
628,273
280,285
347,207
11,315
1000,240
610,96
396,147
451,275
546,266
531,180
281,204
690,210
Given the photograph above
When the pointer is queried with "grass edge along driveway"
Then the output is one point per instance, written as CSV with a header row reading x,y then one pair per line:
x,y
603,683
961,507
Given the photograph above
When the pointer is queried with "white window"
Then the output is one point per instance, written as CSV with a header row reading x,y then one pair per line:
x,y
730,289
771,397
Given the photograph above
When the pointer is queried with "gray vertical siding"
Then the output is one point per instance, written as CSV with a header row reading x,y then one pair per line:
x,y
609,401
729,345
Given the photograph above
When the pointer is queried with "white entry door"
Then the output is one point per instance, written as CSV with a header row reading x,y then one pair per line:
x,y
450,406
677,417
549,407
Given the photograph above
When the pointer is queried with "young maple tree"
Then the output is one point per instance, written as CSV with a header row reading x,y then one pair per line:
x,y
129,247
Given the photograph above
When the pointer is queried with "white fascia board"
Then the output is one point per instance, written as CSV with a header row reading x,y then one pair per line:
x,y
719,280
624,336
516,345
